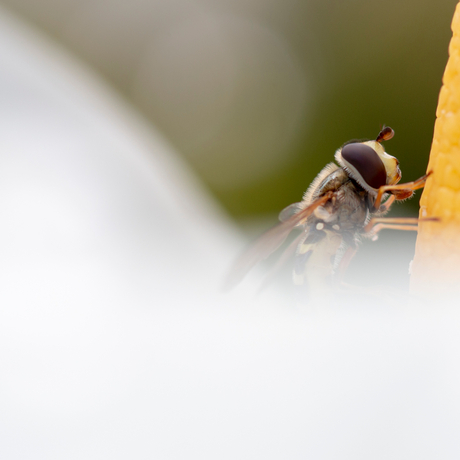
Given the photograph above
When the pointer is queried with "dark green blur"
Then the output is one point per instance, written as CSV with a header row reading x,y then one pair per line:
x,y
373,79
365,63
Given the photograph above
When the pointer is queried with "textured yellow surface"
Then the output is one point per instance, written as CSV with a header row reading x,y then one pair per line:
x,y
437,254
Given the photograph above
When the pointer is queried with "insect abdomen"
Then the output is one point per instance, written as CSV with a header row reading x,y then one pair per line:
x,y
315,260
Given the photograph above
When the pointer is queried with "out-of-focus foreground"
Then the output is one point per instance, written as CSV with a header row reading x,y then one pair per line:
x,y
114,342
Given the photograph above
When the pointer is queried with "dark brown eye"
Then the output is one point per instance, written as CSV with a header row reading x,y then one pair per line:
x,y
366,162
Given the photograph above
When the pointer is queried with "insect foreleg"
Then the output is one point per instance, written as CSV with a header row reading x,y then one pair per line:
x,y
401,188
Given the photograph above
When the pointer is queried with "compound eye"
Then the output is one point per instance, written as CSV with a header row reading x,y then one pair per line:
x,y
365,161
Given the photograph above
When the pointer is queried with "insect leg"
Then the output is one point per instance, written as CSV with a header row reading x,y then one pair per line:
x,y
386,206
344,263
408,186
413,221
382,226
376,224
396,221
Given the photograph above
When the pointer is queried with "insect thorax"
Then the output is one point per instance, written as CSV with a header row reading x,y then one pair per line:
x,y
347,212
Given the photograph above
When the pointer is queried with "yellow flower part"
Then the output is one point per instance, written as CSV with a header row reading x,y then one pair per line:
x,y
437,254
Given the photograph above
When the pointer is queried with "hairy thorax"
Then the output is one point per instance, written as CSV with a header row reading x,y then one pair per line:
x,y
349,210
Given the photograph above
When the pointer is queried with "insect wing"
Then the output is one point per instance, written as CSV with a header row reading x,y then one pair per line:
x,y
285,256
288,212
269,242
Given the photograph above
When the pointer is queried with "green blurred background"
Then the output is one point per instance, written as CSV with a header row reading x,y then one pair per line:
x,y
257,95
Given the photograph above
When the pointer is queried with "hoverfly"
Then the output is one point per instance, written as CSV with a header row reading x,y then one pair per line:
x,y
344,203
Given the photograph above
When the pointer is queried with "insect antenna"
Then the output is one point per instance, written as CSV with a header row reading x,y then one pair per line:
x,y
385,134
